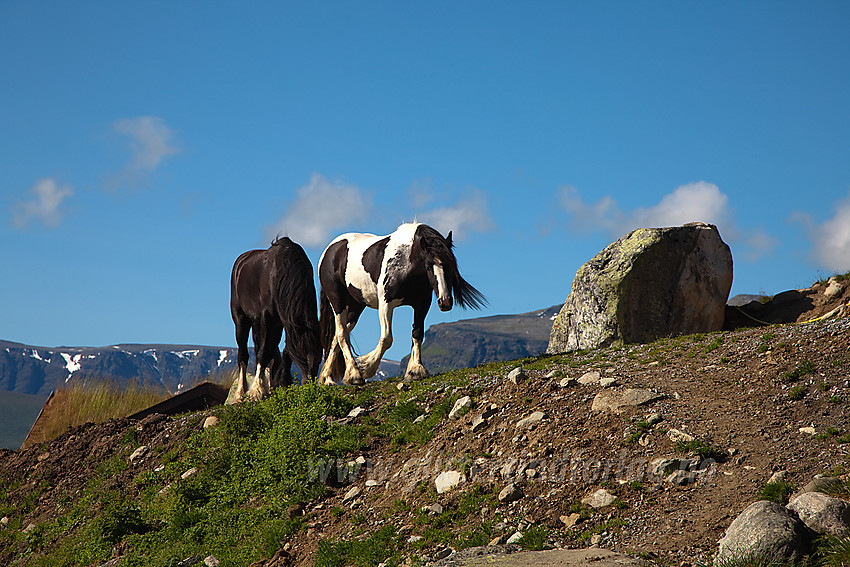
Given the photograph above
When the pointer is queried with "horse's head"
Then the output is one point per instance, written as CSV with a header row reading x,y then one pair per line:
x,y
443,273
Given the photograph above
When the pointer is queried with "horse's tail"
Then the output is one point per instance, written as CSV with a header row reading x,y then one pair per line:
x,y
327,325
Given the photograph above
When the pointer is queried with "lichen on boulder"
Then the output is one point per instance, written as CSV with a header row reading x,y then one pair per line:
x,y
651,283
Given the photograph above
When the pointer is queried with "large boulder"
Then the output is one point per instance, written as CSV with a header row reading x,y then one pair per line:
x,y
822,514
651,283
763,528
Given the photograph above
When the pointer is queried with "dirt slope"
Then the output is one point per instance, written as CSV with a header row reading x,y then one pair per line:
x,y
768,399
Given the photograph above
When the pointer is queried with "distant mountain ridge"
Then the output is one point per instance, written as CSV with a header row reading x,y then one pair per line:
x,y
39,370
470,342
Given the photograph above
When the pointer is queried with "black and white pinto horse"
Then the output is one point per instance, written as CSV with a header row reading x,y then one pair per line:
x,y
383,272
272,291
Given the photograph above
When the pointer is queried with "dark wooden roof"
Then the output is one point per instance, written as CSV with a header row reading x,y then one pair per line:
x,y
202,396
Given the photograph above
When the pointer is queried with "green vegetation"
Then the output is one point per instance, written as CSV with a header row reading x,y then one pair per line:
x,y
778,492
700,448
804,368
797,393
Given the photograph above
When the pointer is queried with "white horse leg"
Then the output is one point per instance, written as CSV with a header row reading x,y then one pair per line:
x,y
259,388
240,386
369,363
326,375
352,374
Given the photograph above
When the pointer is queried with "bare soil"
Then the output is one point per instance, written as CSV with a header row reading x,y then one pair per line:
x,y
769,399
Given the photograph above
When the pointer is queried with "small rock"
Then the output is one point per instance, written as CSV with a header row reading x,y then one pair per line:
x,y
654,419
517,375
808,430
419,419
43,457
617,401
356,412
823,514
531,421
497,541
211,561
443,553
778,476
824,484
139,453
599,499
352,493
28,529
567,382
189,473
4,521
682,477
491,411
372,483
677,436
510,493
595,539
833,290
403,386
461,405
415,538
210,421
608,382
435,508
514,538
479,424
571,520
589,378
447,480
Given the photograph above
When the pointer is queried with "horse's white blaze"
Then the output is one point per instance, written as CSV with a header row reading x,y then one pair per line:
x,y
442,286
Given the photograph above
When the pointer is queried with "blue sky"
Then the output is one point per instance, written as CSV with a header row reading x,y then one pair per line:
x,y
146,144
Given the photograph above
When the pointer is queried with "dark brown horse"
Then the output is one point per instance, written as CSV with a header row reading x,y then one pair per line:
x,y
272,292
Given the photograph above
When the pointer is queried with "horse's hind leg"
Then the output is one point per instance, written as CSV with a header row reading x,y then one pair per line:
x,y
238,389
263,342
369,363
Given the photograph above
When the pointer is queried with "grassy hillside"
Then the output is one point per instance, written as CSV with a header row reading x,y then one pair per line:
x,y
19,412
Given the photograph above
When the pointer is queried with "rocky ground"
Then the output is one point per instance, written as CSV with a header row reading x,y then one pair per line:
x,y
674,439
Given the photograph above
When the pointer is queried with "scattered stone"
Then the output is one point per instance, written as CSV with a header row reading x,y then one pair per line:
x,y
510,493
479,424
419,419
808,430
677,436
567,382
139,453
211,561
415,539
823,514
372,483
833,290
356,412
501,540
531,421
654,419
599,499
433,509
491,411
764,527
189,473
43,457
595,539
571,520
616,401
443,553
778,476
447,480
682,477
461,406
28,529
590,378
352,493
210,421
608,382
517,375
514,538
403,386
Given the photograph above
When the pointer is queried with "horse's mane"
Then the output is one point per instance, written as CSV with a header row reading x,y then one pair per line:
x,y
440,251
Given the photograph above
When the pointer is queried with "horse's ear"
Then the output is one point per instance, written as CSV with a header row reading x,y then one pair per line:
x,y
449,239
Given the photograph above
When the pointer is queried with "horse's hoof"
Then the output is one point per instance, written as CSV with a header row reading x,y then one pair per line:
x,y
417,374
354,381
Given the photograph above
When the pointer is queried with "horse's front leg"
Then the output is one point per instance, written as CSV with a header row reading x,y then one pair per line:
x,y
415,369
370,362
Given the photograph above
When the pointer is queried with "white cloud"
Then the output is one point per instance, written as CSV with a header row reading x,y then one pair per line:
x,y
150,141
322,209
470,214
831,239
44,206
693,202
